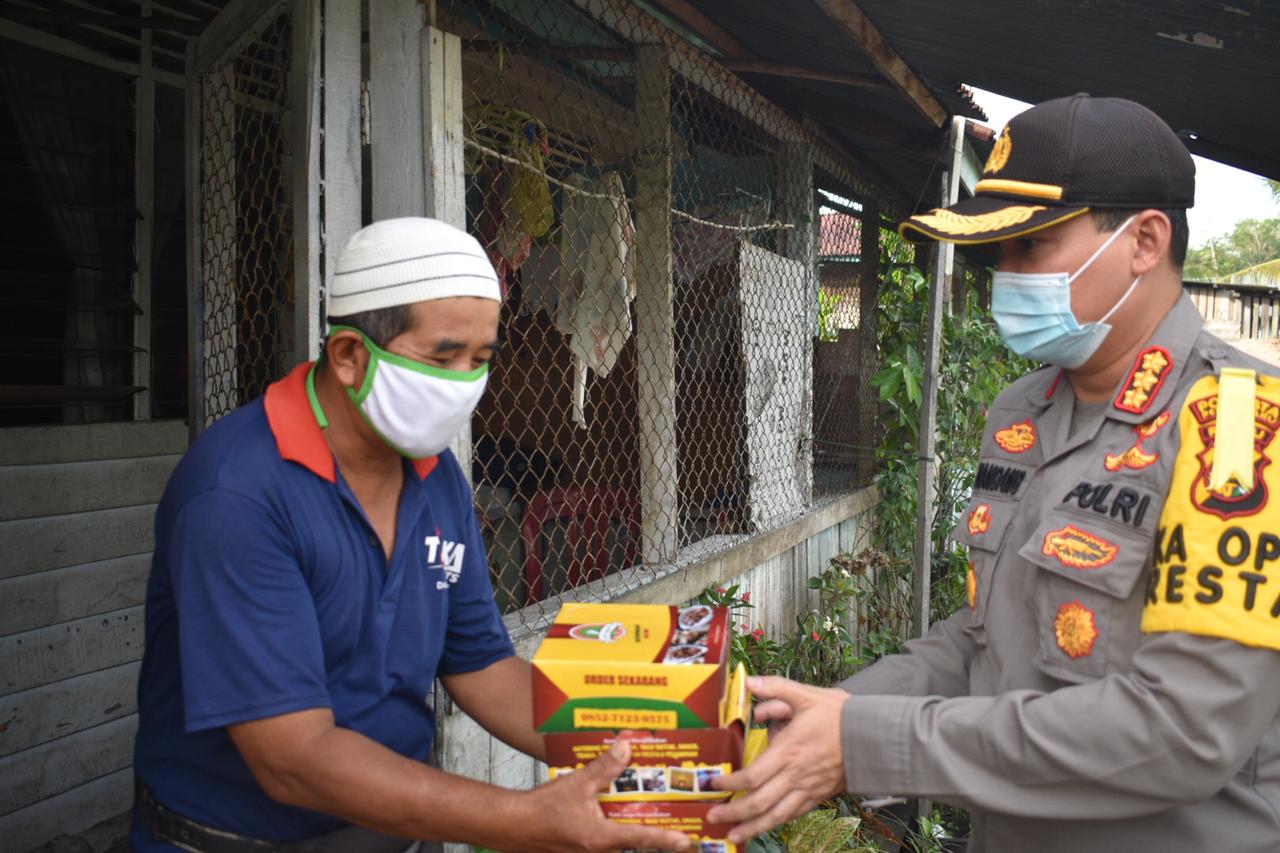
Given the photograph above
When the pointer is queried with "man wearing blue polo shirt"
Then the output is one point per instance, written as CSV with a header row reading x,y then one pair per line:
x,y
317,566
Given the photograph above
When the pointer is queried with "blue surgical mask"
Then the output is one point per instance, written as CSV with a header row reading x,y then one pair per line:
x,y
1034,316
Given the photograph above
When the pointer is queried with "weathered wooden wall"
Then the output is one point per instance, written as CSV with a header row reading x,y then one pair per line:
x,y
77,505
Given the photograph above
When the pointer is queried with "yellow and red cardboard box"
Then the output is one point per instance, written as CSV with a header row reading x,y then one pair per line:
x,y
632,666
660,673
667,764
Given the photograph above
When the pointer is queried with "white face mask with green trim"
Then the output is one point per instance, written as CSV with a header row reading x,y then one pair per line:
x,y
415,408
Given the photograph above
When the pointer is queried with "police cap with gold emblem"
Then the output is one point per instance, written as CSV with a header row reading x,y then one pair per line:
x,y
1057,160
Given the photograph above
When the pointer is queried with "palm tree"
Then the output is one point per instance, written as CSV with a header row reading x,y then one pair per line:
x,y
1275,189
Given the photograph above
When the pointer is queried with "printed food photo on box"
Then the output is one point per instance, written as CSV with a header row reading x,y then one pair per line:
x,y
632,666
686,759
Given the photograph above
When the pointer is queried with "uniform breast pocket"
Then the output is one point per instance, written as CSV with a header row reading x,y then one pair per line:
x,y
983,527
1086,601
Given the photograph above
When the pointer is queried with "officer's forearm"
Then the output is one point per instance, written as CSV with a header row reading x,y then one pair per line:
x,y
1172,732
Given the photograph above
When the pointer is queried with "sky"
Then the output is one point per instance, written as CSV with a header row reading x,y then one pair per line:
x,y
1224,195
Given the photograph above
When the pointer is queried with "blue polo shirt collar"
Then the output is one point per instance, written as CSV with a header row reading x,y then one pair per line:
x,y
298,422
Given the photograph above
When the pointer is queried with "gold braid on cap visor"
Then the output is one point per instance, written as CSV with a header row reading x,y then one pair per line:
x,y
958,224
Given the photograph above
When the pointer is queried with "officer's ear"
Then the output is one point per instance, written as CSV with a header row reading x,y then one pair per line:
x,y
1152,232
346,357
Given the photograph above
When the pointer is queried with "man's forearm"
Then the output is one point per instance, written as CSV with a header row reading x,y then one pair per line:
x,y
347,775
500,698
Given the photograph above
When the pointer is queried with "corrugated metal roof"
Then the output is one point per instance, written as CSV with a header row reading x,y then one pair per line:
x,y
1210,69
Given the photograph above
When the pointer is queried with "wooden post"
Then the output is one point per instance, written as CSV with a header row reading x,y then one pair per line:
x,y
304,93
342,180
868,401
195,298
396,128
944,254
144,194
794,167
441,132
655,336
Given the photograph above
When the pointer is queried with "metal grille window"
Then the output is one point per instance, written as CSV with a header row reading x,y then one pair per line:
x,y
246,243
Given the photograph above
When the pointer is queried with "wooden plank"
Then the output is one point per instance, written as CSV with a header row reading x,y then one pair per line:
x,y
655,336
304,93
801,72
144,193
46,655
882,55
73,50
693,18
396,126
66,814
57,767
84,442
35,544
442,134
42,714
926,467
342,178
442,129
48,598
32,491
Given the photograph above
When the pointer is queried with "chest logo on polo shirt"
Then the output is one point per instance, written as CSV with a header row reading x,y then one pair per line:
x,y
1152,366
1232,500
445,556
980,519
1018,438
1078,548
1136,458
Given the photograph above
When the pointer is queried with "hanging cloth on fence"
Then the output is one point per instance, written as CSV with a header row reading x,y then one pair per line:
x,y
597,278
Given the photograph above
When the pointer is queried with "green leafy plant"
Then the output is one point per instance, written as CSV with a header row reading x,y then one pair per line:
x,y
827,305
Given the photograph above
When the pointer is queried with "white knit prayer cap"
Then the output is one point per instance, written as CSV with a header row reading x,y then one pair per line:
x,y
412,259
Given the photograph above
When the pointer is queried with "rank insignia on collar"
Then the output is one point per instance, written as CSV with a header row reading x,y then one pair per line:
x,y
1152,366
1075,629
1017,438
980,519
1136,458
1078,548
971,587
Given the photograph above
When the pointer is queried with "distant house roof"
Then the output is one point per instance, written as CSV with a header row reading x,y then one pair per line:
x,y
841,237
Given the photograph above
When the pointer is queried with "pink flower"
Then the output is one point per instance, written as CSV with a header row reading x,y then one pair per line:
x,y
816,636
721,590
757,634
746,596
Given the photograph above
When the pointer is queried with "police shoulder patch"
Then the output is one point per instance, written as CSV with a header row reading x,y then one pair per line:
x,y
1217,554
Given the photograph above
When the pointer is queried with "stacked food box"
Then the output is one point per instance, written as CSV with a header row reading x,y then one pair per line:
x,y
660,675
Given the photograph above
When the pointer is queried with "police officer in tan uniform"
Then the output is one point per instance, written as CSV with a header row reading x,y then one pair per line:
x,y
1114,680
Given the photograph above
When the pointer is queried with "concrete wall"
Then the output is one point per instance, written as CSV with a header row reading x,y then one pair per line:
x,y
76,531
774,567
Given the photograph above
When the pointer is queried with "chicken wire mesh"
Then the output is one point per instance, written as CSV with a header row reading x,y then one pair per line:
x,y
845,431
246,241
659,257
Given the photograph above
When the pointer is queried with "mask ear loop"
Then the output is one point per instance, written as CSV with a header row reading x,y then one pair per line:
x,y
1102,248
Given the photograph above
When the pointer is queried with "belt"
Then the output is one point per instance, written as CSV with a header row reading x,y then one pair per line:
x,y
169,826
